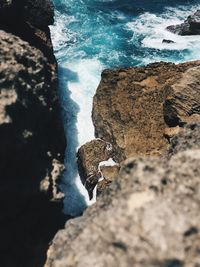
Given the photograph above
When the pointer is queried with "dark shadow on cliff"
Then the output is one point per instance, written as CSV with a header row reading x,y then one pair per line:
x,y
28,219
32,139
26,231
74,201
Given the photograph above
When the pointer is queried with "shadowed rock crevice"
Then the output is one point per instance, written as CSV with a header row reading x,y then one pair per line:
x,y
29,20
32,139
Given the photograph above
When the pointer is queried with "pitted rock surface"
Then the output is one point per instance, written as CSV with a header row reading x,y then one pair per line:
x,y
191,26
149,216
133,107
138,110
31,138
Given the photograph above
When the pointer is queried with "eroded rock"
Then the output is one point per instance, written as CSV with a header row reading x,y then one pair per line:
x,y
89,157
191,26
138,110
31,134
167,41
128,106
29,20
149,216
108,175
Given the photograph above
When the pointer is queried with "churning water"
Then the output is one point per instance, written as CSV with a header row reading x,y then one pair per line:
x,y
91,35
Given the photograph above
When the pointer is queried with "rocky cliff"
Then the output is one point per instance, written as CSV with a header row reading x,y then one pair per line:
x,y
136,111
31,134
149,216
145,162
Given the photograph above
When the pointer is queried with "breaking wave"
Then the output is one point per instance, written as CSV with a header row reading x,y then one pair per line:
x,y
92,35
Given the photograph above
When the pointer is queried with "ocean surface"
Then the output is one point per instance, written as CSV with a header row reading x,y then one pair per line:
x,y
91,35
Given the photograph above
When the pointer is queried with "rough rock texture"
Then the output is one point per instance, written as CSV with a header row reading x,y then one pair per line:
x,y
138,110
108,175
187,138
31,134
128,106
89,157
148,217
191,25
29,20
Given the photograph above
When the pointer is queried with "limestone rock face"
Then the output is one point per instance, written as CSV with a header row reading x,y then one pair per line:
x,y
138,110
132,107
191,25
182,105
149,216
32,139
94,166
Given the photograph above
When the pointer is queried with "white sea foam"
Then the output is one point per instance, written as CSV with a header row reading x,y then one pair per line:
x,y
78,82
60,33
80,75
153,29
108,163
82,92
81,79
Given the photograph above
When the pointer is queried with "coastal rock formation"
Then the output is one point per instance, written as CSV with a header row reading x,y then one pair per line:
x,y
138,110
149,216
191,26
29,20
89,157
31,134
133,107
96,166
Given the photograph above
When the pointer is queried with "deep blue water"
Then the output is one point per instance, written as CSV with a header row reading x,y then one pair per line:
x,y
90,36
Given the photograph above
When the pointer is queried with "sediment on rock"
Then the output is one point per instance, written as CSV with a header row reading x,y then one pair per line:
x,y
149,216
31,134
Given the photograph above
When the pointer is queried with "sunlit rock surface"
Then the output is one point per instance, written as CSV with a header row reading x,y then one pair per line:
x,y
148,217
138,110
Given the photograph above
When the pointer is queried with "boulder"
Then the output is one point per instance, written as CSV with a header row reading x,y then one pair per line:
x,y
133,107
89,157
138,110
149,216
166,41
180,29
194,21
191,26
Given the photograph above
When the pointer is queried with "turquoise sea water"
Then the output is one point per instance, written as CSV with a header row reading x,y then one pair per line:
x,y
91,35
